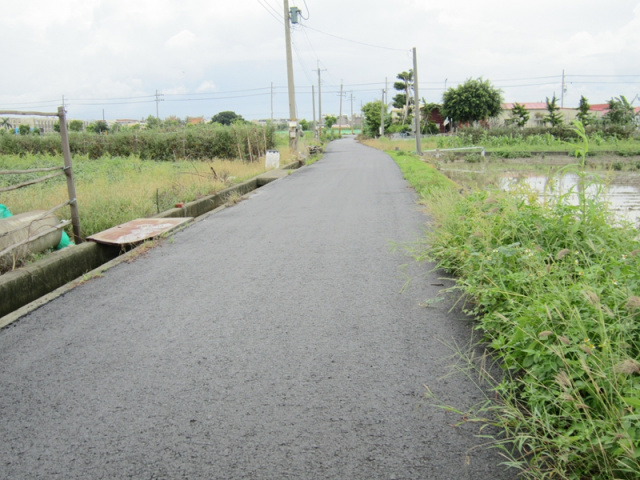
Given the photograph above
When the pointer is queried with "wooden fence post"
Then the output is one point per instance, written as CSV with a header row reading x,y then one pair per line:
x,y
68,170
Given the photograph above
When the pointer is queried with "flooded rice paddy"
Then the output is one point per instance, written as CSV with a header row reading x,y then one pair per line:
x,y
620,190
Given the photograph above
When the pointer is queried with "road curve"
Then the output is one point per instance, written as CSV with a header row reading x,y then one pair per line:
x,y
275,339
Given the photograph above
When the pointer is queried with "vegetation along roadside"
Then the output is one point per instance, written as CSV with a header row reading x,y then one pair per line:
x,y
555,289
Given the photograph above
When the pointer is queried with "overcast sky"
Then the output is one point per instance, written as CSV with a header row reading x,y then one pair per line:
x,y
207,56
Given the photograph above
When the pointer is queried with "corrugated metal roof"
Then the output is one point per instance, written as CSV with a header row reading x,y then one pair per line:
x,y
138,230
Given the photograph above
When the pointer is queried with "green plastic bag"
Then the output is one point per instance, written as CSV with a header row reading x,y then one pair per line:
x,y
65,241
4,212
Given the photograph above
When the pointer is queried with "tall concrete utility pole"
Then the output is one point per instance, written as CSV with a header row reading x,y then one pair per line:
x,y
293,123
562,94
320,119
158,99
416,97
352,118
313,102
340,119
382,115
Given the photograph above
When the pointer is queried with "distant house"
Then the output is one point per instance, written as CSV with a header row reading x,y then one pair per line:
x,y
195,120
127,122
601,109
537,112
436,117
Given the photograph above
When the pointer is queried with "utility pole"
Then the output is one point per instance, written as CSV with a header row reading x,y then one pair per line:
x,y
340,119
382,109
158,99
320,119
416,97
352,118
313,102
562,94
293,123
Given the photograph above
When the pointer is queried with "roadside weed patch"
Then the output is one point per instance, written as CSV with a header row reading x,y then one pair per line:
x,y
555,289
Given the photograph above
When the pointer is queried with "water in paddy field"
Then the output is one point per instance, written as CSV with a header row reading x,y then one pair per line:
x,y
621,191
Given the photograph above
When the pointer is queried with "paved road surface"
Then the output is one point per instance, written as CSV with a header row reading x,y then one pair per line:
x,y
271,340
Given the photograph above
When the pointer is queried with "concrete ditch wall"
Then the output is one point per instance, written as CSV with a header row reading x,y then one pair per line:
x,y
25,285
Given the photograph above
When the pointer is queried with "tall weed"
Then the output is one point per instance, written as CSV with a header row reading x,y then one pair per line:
x,y
556,291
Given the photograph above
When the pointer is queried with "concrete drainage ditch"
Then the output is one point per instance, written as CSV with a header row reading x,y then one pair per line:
x,y
29,287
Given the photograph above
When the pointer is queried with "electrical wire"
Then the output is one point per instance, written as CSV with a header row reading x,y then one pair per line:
x,y
270,10
355,41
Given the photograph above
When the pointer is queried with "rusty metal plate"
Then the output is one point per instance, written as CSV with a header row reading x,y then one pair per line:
x,y
138,230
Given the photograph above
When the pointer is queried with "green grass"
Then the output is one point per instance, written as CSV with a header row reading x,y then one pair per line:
x,y
112,191
422,176
555,290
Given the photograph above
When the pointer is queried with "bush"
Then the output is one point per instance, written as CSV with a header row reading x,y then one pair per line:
x,y
240,141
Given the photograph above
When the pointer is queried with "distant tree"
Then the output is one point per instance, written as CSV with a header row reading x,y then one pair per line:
x,y
584,114
99,126
330,121
520,115
36,131
56,127
304,125
372,112
620,112
403,100
553,117
152,122
24,129
226,118
473,101
76,125
4,123
172,122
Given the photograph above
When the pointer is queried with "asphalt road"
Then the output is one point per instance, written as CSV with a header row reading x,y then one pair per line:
x,y
279,338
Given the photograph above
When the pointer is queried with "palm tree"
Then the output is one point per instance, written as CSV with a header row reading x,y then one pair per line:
x,y
4,123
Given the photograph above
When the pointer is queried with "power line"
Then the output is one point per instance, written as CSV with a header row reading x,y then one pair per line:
x,y
354,41
271,11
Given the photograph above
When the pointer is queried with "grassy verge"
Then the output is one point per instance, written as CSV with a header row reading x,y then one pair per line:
x,y
555,289
515,147
112,191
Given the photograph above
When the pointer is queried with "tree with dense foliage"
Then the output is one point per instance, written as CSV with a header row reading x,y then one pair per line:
x,y
372,112
473,101
404,100
172,122
584,114
554,117
330,121
152,122
4,123
76,125
24,129
304,125
226,118
99,126
620,112
520,115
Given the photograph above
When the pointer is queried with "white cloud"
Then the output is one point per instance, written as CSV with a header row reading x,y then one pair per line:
x,y
117,48
184,39
206,86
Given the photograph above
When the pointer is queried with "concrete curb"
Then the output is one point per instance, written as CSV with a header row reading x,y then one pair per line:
x,y
28,288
